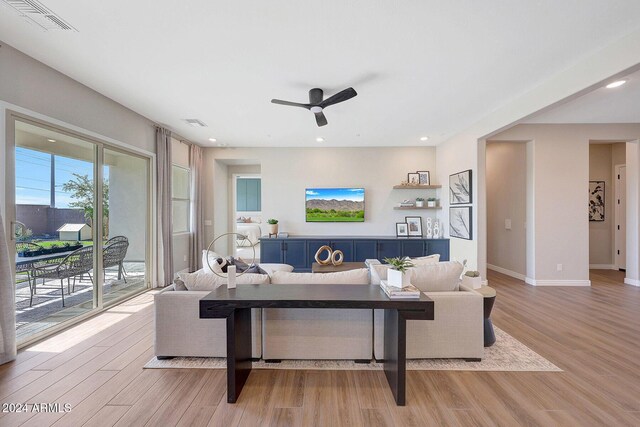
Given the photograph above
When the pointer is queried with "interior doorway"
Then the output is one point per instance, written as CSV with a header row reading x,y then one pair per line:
x,y
246,205
506,194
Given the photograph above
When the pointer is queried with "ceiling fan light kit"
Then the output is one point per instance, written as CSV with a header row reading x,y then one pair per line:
x,y
317,104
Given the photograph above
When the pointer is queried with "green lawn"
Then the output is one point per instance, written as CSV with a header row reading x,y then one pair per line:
x,y
335,217
48,243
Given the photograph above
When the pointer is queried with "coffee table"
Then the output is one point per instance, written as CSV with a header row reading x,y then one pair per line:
x,y
345,266
235,305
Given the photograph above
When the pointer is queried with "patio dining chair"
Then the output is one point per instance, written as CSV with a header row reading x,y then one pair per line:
x,y
114,253
76,263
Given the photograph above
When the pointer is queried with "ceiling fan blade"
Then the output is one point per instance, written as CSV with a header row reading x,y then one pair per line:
x,y
315,96
291,104
321,120
339,97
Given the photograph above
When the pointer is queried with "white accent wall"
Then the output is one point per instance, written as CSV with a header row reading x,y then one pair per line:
x,y
287,172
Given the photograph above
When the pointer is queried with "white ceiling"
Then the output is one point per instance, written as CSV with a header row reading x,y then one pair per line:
x,y
422,67
616,105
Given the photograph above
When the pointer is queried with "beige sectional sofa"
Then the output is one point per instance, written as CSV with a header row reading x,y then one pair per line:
x,y
457,328
349,334
307,333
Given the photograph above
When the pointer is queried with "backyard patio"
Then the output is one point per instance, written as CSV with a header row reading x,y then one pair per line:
x,y
46,309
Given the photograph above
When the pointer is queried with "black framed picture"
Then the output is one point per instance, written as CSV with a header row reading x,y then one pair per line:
x,y
414,225
460,188
596,200
402,229
413,179
460,225
424,177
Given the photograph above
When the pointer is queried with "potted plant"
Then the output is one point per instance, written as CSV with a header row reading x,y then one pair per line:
x,y
273,226
472,279
431,202
419,202
397,275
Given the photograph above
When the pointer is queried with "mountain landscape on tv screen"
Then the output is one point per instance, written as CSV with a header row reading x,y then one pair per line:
x,y
335,205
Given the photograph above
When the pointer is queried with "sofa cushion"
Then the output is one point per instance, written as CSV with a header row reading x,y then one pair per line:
x,y
358,276
203,280
443,276
270,268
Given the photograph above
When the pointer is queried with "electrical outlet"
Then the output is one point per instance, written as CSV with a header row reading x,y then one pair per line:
x,y
559,267
185,258
507,224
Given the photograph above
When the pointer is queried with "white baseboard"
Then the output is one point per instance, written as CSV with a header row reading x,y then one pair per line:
x,y
602,267
534,282
506,272
632,282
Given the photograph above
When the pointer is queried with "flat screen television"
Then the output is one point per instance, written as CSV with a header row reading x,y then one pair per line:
x,y
334,204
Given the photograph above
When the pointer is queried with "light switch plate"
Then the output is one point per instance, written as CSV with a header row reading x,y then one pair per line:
x,y
208,222
507,224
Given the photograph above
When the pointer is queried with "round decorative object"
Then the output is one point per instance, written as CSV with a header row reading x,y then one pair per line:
x,y
224,260
337,257
327,260
428,222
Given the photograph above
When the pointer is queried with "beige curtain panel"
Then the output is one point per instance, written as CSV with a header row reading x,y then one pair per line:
x,y
165,232
196,238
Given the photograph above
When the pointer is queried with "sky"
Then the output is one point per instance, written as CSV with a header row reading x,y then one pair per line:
x,y
353,194
33,177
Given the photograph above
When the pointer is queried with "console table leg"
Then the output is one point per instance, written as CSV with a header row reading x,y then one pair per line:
x,y
395,352
238,351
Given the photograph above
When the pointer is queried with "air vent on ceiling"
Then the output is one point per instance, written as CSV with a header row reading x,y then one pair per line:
x,y
195,123
37,13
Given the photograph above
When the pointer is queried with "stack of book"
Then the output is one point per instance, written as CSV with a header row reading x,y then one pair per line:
x,y
392,292
406,204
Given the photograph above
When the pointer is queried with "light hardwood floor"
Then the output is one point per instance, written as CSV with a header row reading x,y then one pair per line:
x,y
593,334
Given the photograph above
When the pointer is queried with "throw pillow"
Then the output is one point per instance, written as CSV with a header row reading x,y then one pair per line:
x,y
202,280
214,262
178,285
269,268
443,276
359,276
424,260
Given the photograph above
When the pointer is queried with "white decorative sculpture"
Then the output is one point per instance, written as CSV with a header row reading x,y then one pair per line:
x,y
436,230
231,277
429,228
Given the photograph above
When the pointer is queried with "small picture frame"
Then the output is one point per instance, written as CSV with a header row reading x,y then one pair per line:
x,y
413,178
402,229
414,225
424,177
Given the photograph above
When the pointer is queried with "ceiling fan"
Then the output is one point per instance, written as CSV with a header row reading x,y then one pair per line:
x,y
317,104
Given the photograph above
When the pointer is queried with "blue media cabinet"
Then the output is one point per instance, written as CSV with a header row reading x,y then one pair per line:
x,y
299,251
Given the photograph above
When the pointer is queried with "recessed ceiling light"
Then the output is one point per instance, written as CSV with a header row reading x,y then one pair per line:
x,y
319,139
616,84
51,140
212,139
424,138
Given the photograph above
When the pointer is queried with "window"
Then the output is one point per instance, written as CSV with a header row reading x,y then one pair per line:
x,y
180,200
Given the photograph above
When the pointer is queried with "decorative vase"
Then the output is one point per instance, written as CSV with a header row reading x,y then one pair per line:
x,y
231,277
273,229
397,279
431,203
419,203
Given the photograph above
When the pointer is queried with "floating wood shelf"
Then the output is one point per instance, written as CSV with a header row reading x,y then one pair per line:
x,y
416,187
404,208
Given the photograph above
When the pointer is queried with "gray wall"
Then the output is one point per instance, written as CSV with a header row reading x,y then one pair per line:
x,y
43,220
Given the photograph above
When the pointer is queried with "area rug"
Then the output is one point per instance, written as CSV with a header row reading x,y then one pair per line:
x,y
507,354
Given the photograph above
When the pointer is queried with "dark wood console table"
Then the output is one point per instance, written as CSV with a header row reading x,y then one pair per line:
x,y
235,305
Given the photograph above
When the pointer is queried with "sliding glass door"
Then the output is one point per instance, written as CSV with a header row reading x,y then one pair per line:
x,y
80,226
